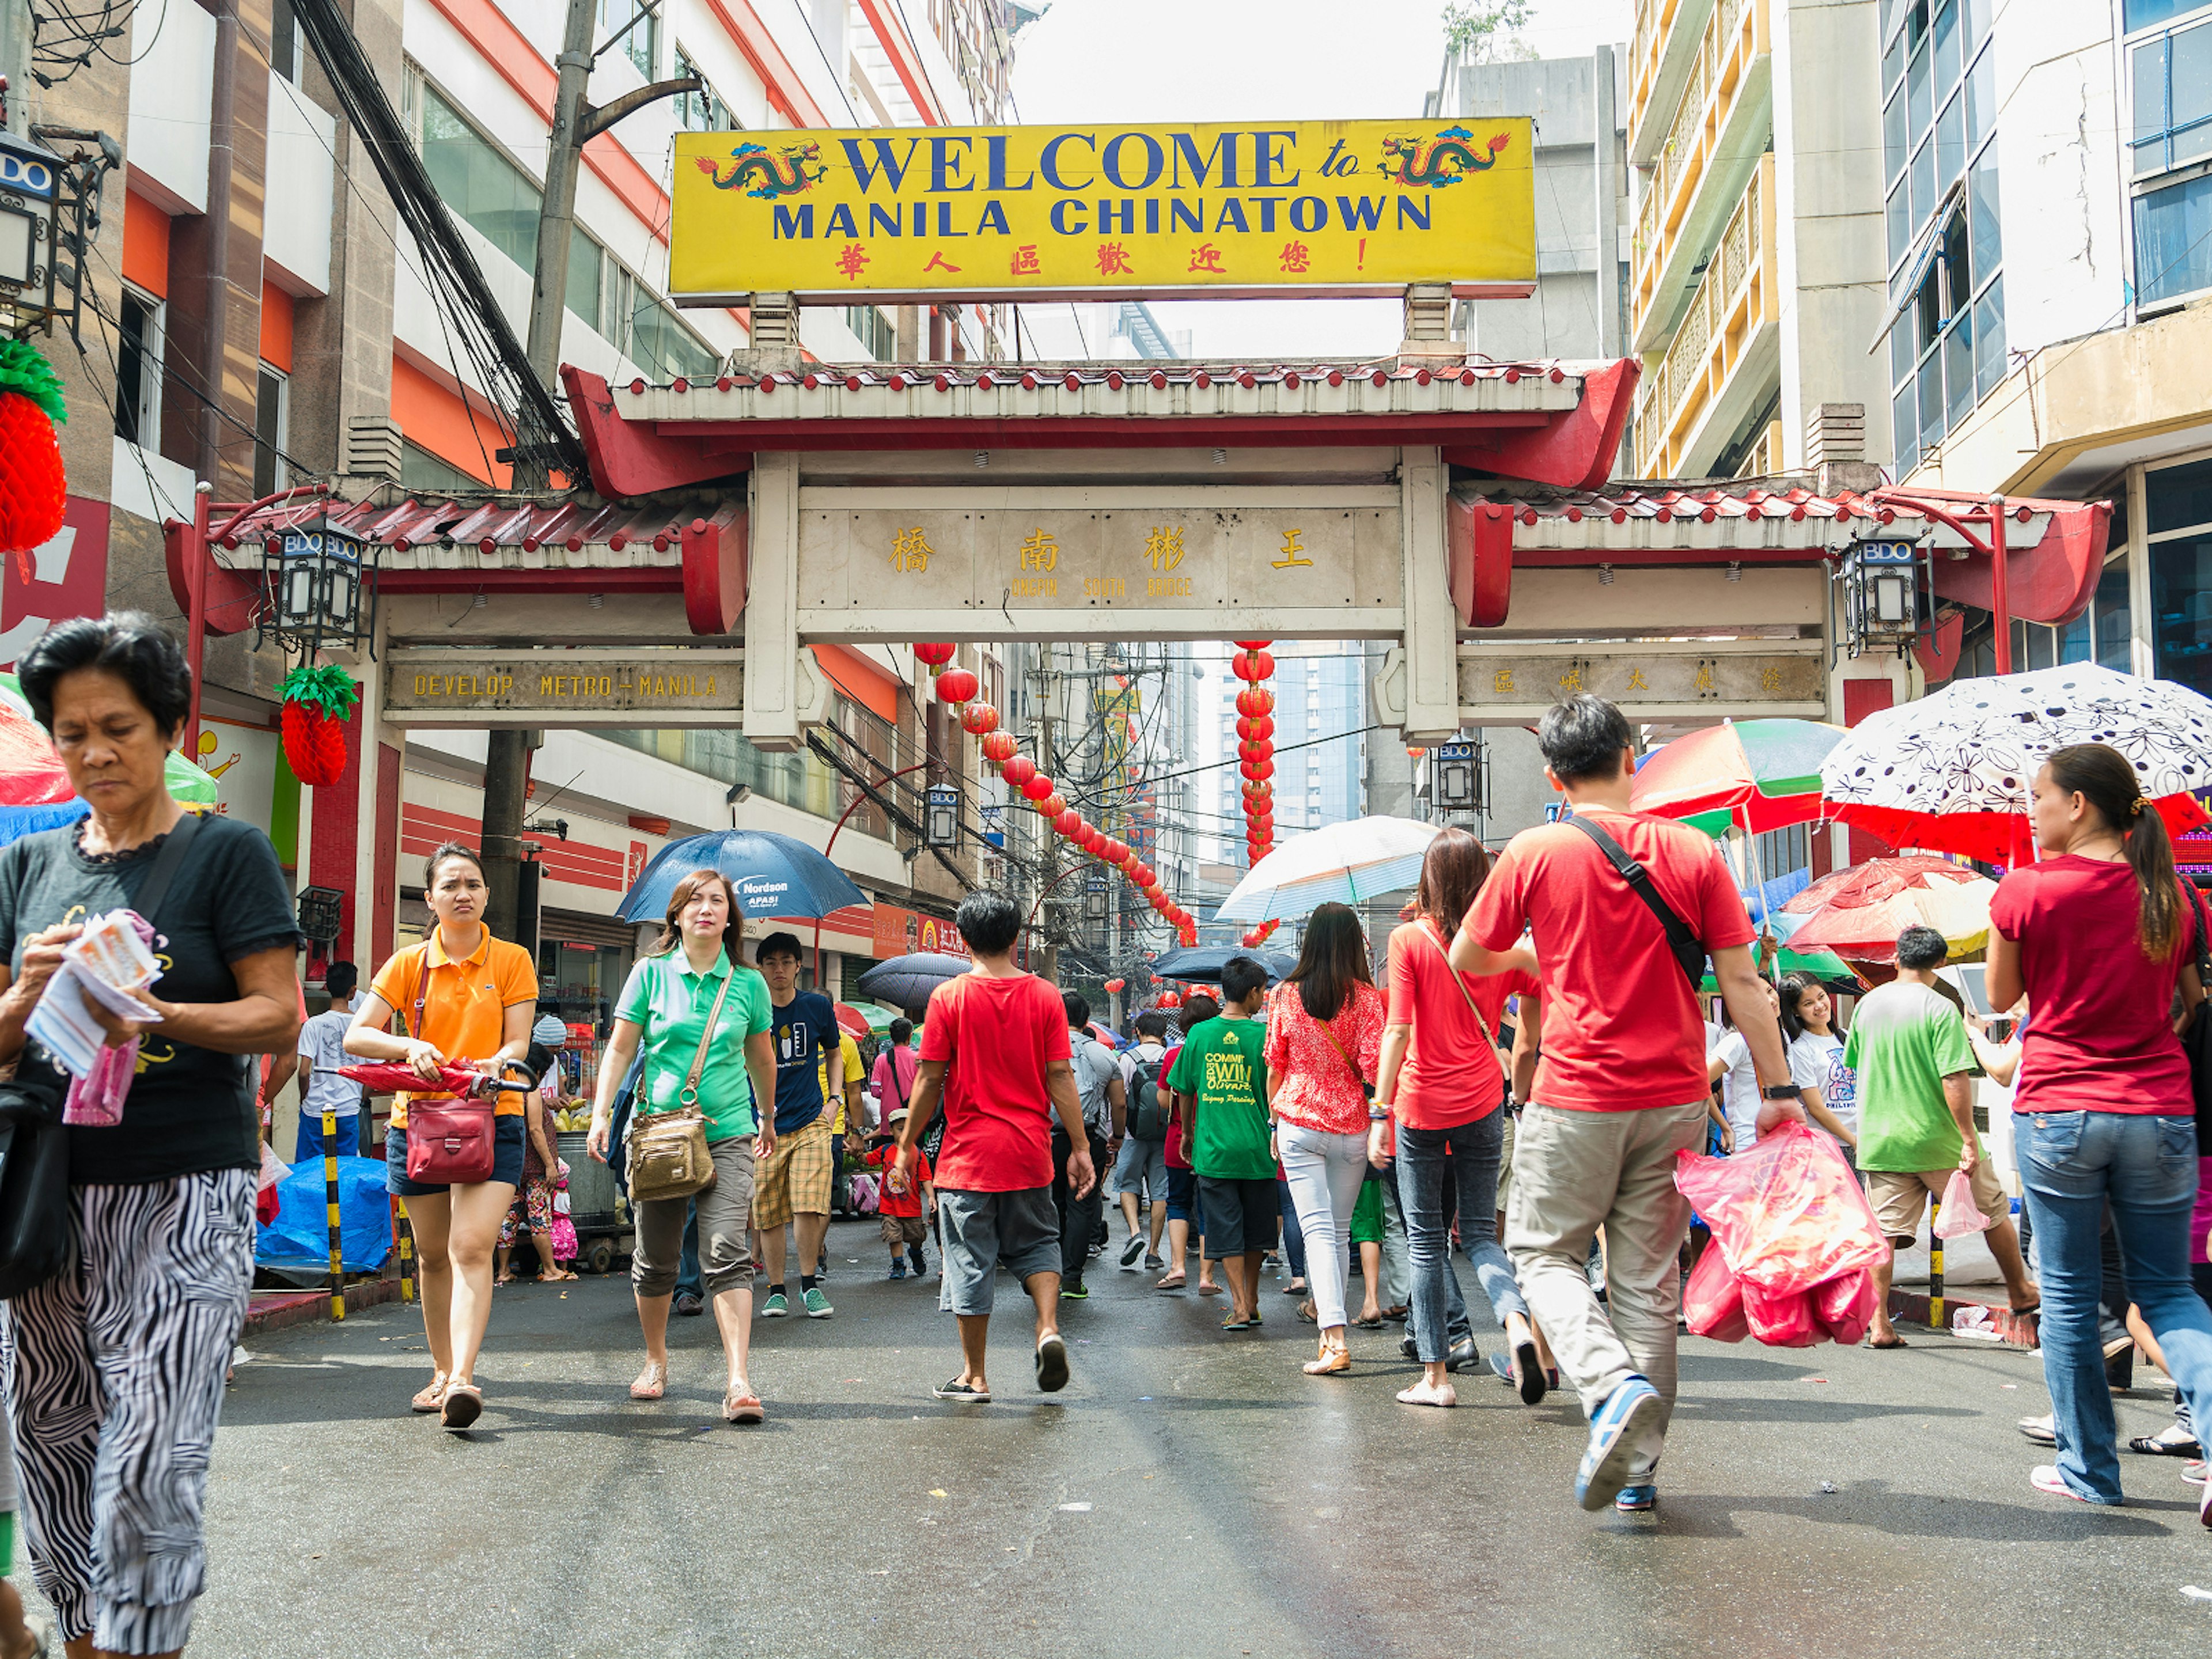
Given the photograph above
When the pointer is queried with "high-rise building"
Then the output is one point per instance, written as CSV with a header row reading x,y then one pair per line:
x,y
1320,689
1755,272
2048,262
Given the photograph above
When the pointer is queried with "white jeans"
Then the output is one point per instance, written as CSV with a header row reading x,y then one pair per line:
x,y
1324,1172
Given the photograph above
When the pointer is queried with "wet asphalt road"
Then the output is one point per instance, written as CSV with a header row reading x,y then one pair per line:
x,y
1234,1506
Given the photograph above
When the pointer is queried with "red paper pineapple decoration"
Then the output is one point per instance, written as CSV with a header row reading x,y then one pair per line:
x,y
316,703
33,494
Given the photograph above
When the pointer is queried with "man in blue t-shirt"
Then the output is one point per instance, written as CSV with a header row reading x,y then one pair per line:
x,y
793,1184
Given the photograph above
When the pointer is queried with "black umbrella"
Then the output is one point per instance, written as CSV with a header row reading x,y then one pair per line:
x,y
1201,964
906,982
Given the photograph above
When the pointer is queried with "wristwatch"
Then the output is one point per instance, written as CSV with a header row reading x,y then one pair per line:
x,y
1778,1092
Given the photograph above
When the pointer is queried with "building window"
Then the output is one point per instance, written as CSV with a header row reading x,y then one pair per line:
x,y
874,332
1946,327
703,110
425,474
271,399
284,40
642,45
2170,88
2180,533
138,370
485,191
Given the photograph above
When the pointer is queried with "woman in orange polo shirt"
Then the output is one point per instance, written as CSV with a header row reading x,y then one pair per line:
x,y
476,995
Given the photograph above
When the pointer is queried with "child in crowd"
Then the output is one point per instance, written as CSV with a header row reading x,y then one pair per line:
x,y
900,1213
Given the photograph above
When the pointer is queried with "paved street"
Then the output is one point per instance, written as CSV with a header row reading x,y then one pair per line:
x,y
1188,1494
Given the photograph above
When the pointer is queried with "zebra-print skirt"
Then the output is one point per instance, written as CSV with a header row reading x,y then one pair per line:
x,y
113,1373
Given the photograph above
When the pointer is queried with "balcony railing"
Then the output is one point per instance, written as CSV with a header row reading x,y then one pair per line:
x,y
1713,101
1736,299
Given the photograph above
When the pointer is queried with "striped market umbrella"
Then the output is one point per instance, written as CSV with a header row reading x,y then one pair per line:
x,y
1755,774
1345,863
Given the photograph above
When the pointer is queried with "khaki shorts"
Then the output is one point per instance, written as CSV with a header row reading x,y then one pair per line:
x,y
794,1180
899,1229
1899,1199
1505,1161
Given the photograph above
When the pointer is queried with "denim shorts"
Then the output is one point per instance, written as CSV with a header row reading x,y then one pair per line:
x,y
505,1158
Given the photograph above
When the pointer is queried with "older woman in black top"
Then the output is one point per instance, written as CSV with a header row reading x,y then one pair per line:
x,y
118,1359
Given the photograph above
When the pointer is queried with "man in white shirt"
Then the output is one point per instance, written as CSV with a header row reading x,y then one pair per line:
x,y
322,1052
1143,1164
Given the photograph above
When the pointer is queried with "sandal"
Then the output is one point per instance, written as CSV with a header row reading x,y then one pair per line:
x,y
1328,1361
462,1406
1374,1324
1296,1287
1308,1312
1233,1323
554,1278
1205,1289
429,1398
652,1381
741,1405
1173,1282
2172,1441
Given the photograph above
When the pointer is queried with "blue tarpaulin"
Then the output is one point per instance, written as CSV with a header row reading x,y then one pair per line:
x,y
301,1235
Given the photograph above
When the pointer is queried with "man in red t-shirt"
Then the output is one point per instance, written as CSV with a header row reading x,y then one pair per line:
x,y
994,1053
1621,1086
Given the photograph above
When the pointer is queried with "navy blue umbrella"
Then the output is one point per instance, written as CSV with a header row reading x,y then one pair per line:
x,y
773,875
905,982
1201,964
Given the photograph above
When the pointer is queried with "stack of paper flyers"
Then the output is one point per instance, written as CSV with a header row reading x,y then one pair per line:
x,y
107,963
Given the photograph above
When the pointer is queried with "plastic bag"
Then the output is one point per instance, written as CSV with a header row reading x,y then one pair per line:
x,y
1781,1319
1959,1214
387,1076
867,1195
1787,1211
1712,1302
563,1235
1845,1307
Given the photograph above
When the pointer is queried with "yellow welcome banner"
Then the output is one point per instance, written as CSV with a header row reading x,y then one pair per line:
x,y
1316,207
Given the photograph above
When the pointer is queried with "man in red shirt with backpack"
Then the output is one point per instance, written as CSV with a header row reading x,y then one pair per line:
x,y
1623,908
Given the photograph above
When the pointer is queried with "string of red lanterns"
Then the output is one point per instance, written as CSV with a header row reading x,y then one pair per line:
x,y
1255,756
957,686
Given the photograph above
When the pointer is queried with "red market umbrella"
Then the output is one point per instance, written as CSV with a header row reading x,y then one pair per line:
x,y
1757,774
1858,913
851,1021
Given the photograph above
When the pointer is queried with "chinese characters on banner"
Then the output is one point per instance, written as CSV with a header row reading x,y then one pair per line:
x,y
899,931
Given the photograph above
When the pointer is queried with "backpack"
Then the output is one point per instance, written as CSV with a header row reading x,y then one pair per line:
x,y
1147,1115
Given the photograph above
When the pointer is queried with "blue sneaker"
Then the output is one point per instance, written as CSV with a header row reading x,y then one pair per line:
x,y
1635,1500
898,1268
1615,1428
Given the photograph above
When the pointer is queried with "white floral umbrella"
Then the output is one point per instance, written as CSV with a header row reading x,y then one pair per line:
x,y
1952,772
1343,862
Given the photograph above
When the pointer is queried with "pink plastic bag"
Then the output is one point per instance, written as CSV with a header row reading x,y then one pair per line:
x,y
1845,1307
1712,1302
868,1195
1959,1215
1781,1319
1788,1212
563,1233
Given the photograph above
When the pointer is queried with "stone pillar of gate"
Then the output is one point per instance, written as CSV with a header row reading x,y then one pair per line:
x,y
1431,660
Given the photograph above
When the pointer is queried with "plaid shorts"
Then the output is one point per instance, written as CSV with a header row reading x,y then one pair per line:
x,y
795,1178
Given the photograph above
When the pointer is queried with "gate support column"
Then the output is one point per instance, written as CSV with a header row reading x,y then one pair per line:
x,y
772,689
1432,638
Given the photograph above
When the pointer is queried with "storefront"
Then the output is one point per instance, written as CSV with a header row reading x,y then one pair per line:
x,y
582,963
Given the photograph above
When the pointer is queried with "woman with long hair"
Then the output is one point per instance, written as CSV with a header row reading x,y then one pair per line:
x,y
695,973
1731,1059
1828,1088
460,994
1442,1085
2099,936
1324,1039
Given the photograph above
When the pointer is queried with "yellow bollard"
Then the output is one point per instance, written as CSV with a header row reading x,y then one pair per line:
x,y
404,1230
1935,1265
330,1196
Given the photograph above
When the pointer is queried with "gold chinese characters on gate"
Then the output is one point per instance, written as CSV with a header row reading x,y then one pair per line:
x,y
1037,562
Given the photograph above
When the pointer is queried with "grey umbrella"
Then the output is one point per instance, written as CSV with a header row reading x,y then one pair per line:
x,y
1201,964
905,982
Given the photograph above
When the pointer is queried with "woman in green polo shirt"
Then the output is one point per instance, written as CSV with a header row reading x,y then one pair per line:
x,y
663,1014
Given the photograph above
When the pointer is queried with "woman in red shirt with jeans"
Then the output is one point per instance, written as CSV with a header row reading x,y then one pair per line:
x,y
2099,935
1442,1087
1324,1037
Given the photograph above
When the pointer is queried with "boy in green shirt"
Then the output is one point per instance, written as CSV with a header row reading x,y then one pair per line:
x,y
1221,1073
1908,1045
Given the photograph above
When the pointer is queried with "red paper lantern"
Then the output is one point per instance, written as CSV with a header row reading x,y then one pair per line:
x,y
1142,874
1252,749
1052,805
1254,645
1254,701
1253,664
1116,854
1114,987
1170,1000
1252,728
1259,770
1038,785
957,684
978,719
1415,753
936,655
999,747
1068,823
1018,771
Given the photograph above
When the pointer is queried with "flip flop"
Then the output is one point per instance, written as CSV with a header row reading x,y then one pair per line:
x,y
1209,1289
428,1399
1173,1282
2157,1445
1308,1312
462,1406
652,1381
1375,1324
1235,1324
1893,1342
744,1407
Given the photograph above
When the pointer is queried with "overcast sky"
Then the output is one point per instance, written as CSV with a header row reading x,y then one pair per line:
x,y
1244,60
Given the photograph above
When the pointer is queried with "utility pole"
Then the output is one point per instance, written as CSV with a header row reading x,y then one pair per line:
x,y
1051,871
576,121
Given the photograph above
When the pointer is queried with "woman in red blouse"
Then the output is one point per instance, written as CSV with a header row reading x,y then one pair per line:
x,y
1324,1038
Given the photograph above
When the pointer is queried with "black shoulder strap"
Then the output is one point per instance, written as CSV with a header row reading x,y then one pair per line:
x,y
155,887
1680,940
2204,935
